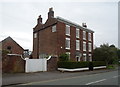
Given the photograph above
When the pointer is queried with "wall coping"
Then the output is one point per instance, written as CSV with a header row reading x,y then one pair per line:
x,y
77,69
80,69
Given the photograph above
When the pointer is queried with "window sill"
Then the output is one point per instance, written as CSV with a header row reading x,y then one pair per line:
x,y
90,40
68,34
67,48
84,39
78,49
78,37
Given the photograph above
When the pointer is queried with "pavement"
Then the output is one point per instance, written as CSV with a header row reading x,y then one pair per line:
x,y
22,78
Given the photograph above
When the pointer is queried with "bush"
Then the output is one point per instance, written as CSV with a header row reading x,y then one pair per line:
x,y
98,63
72,65
81,64
64,57
119,63
110,67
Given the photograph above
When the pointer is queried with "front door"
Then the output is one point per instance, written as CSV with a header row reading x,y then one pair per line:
x,y
78,58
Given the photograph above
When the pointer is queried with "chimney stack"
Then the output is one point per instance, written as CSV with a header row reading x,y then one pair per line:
x,y
39,20
50,13
84,25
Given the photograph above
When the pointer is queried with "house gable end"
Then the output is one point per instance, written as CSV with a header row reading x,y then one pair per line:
x,y
10,39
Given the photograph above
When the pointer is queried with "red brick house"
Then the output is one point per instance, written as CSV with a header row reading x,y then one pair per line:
x,y
11,63
12,46
57,36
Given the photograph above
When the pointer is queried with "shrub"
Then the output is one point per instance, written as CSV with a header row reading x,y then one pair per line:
x,y
98,63
72,65
110,67
119,63
64,57
81,64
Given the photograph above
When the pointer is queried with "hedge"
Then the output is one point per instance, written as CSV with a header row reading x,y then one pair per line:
x,y
119,63
98,63
81,64
72,65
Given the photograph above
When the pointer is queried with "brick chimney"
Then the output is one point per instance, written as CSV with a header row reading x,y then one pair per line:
x,y
39,20
84,25
50,13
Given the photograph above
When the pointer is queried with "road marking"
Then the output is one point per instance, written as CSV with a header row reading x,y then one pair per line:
x,y
95,82
115,76
65,78
30,83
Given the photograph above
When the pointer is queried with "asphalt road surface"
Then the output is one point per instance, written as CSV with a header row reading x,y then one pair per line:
x,y
107,78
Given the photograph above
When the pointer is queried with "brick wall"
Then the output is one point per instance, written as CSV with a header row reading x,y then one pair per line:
x,y
13,64
61,41
73,43
52,64
15,48
47,41
54,43
61,38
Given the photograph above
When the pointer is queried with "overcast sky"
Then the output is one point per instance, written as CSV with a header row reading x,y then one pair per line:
x,y
19,18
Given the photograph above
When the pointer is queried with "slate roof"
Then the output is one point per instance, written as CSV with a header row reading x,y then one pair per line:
x,y
73,24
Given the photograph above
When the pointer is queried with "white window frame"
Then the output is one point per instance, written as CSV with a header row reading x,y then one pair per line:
x,y
84,35
90,57
84,57
68,54
84,46
54,28
77,45
77,33
68,43
67,30
35,35
90,47
89,36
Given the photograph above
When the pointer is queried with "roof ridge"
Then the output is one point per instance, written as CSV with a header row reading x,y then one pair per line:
x,y
73,23
11,39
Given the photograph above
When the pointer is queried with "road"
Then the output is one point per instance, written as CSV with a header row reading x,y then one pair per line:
x,y
106,78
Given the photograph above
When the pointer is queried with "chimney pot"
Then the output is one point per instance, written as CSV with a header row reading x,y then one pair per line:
x,y
50,9
40,20
84,25
50,13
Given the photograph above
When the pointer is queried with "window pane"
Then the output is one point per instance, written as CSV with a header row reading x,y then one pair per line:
x,y
84,57
67,43
77,33
77,45
68,54
84,35
84,46
54,28
90,57
35,35
67,30
89,47
89,36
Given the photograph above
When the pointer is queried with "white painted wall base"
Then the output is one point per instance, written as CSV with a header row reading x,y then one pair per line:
x,y
77,69
100,67
80,69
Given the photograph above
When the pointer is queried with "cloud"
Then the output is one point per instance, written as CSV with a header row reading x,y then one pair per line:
x,y
18,19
